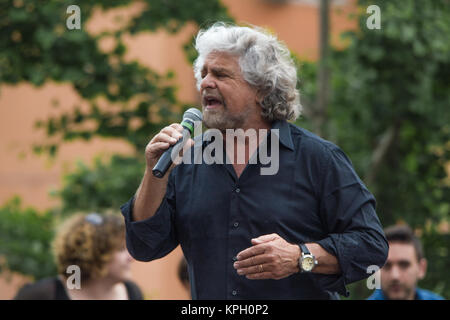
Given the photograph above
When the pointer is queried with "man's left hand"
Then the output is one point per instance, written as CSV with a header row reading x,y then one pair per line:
x,y
270,257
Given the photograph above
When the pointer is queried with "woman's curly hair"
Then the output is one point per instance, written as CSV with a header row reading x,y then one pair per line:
x,y
265,62
88,241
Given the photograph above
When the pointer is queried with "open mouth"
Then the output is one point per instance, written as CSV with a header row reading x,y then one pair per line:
x,y
211,102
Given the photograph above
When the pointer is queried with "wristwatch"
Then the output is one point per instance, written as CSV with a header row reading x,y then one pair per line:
x,y
307,261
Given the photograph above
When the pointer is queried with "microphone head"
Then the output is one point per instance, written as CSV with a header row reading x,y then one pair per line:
x,y
193,114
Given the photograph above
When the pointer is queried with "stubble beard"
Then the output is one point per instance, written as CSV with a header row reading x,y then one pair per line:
x,y
221,119
406,292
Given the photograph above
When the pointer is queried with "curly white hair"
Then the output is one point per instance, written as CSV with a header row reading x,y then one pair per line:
x,y
265,63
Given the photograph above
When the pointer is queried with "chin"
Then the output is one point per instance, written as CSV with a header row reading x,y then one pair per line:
x,y
123,276
126,276
396,296
212,122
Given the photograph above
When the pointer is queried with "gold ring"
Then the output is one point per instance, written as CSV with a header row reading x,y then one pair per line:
x,y
261,268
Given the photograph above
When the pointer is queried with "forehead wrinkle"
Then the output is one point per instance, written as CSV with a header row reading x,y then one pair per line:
x,y
219,57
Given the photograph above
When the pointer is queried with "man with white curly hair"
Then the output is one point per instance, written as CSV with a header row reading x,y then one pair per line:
x,y
304,232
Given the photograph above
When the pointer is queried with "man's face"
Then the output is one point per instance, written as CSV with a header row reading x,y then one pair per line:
x,y
401,272
228,101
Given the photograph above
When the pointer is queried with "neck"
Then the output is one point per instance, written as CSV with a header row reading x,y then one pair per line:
x,y
103,288
241,145
99,287
256,126
412,295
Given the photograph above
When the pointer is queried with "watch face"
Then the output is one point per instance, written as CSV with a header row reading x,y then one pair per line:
x,y
308,263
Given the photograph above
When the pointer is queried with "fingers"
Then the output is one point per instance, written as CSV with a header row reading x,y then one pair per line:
x,y
168,134
266,259
265,238
163,137
163,140
257,267
258,246
157,146
173,130
252,262
179,158
252,251
251,270
177,127
261,275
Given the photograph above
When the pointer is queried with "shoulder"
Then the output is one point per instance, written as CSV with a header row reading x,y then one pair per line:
x,y
377,295
312,144
323,153
423,294
43,289
133,290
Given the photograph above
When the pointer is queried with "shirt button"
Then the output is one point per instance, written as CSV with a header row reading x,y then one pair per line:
x,y
238,190
236,224
234,292
234,259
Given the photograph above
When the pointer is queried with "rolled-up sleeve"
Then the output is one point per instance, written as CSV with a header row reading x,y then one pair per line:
x,y
155,237
355,235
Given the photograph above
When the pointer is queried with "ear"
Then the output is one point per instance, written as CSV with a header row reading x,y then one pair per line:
x,y
422,268
259,97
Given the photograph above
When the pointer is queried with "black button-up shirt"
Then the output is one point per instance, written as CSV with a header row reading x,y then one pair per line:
x,y
315,196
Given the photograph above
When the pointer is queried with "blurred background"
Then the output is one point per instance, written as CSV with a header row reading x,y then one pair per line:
x,y
78,106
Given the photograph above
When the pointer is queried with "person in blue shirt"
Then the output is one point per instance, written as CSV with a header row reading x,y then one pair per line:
x,y
303,230
405,266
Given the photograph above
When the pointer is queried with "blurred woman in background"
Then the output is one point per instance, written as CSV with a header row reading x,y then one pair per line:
x,y
94,246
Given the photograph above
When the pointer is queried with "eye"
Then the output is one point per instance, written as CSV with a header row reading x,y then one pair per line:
x,y
404,264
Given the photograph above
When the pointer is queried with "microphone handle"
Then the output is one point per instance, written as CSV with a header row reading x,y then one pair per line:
x,y
165,161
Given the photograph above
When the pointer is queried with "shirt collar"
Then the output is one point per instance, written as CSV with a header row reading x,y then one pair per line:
x,y
379,295
284,133
281,125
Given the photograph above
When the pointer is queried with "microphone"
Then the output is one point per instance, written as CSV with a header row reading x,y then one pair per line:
x,y
165,161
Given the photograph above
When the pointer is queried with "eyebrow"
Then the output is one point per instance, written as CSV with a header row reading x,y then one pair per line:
x,y
398,261
217,70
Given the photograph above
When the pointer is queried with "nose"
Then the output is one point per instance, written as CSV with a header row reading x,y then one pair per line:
x,y
395,272
208,82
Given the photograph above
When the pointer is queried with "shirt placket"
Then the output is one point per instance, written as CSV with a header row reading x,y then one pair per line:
x,y
233,289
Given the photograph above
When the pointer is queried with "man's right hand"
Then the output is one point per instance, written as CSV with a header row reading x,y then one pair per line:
x,y
145,206
162,141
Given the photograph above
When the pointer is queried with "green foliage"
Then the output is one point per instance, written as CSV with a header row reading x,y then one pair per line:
x,y
25,238
389,108
174,14
36,46
436,245
390,112
105,185
395,81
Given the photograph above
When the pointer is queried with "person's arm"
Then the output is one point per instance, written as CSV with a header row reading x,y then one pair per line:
x,y
152,189
326,262
149,215
347,209
355,238
272,257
